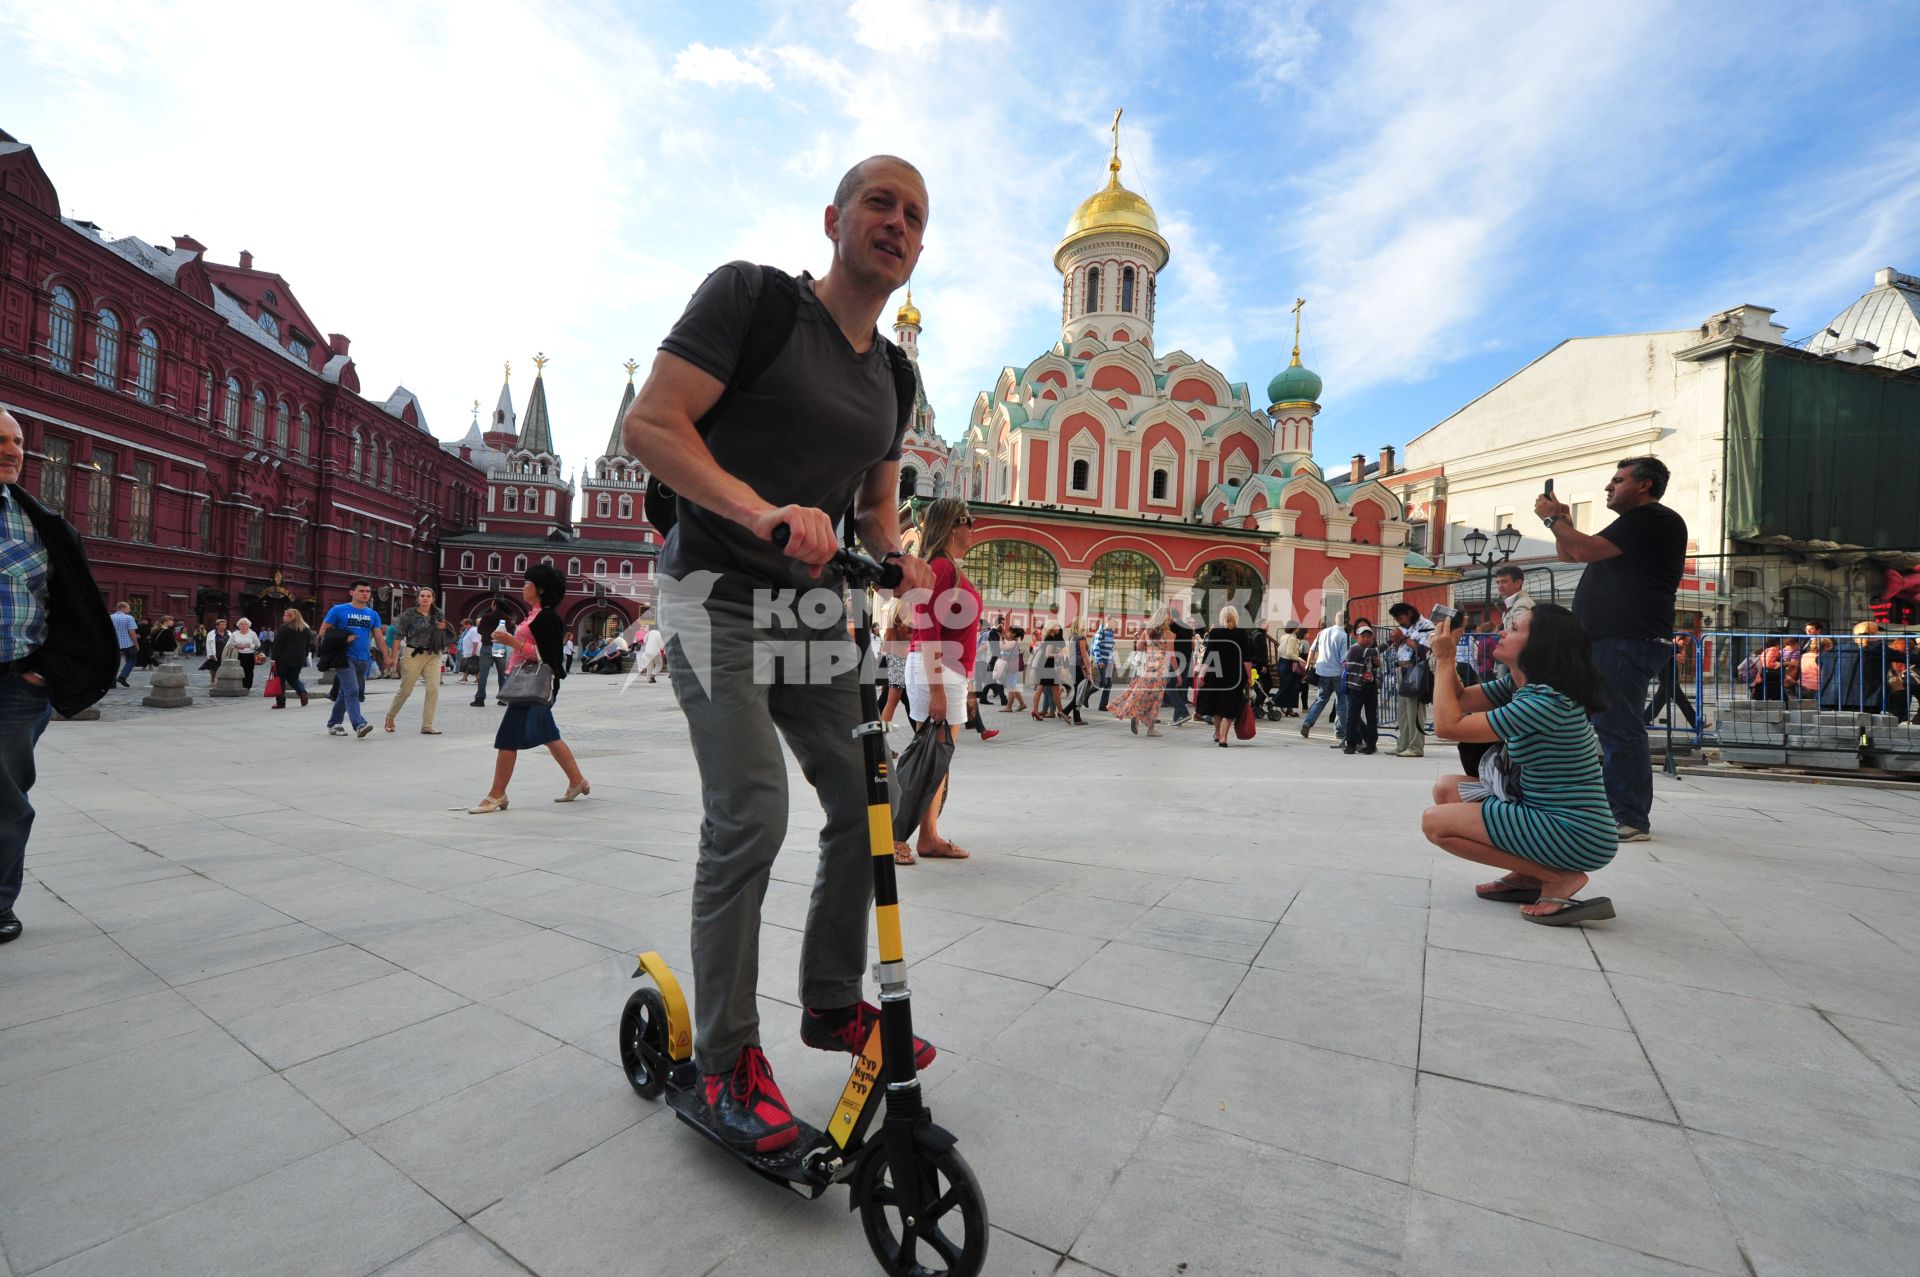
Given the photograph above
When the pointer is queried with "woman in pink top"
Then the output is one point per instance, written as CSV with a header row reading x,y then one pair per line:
x,y
946,634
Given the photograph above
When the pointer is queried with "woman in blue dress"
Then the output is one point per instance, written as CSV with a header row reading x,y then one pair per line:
x,y
1539,807
540,638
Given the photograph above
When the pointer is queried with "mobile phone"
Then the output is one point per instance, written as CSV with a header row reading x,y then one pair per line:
x,y
1549,487
1441,614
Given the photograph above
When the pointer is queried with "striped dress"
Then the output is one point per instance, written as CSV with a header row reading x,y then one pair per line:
x,y
1562,817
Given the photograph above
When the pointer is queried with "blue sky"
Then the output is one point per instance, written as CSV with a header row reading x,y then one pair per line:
x,y
1454,187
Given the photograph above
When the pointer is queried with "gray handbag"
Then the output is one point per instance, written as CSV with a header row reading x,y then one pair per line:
x,y
531,683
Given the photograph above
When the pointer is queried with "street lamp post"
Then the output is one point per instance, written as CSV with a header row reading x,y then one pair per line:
x,y
1505,542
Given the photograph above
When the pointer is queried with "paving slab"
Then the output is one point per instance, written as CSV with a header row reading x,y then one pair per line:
x,y
1173,1030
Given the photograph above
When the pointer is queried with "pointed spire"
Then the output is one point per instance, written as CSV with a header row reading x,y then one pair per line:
x,y
537,436
504,419
617,443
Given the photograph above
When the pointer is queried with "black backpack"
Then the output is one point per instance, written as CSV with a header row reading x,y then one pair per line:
x,y
768,329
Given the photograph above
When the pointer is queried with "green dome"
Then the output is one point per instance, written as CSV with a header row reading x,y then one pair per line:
x,y
1294,385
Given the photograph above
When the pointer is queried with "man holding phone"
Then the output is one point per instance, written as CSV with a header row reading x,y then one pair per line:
x,y
1625,600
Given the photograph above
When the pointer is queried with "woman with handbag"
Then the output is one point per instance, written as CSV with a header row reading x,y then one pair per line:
x,y
535,665
213,644
1224,661
292,645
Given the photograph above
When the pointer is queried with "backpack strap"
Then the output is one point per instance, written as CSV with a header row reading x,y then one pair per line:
x,y
906,383
768,330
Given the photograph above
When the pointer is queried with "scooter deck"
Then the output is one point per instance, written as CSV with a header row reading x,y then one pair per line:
x,y
787,1166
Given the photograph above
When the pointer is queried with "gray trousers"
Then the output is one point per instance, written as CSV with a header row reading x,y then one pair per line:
x,y
1412,714
737,715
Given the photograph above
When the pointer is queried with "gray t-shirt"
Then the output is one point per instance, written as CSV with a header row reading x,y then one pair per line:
x,y
805,433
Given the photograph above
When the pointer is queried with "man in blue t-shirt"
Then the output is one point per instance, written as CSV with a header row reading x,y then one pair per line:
x,y
365,637
124,629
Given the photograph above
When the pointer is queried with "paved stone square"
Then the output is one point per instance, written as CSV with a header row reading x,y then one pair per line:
x,y
281,1006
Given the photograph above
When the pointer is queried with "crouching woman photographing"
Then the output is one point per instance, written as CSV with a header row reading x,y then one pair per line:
x,y
1538,809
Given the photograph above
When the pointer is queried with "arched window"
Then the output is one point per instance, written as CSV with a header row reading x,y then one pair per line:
x,y
1012,574
146,367
1093,289
519,563
1159,485
626,506
602,506
532,501
626,569
909,482
258,427
1225,581
493,563
466,560
353,461
256,535
1082,474
573,567
61,320
1123,583
511,500
230,410
600,568
1126,289
387,464
304,444
280,413
106,349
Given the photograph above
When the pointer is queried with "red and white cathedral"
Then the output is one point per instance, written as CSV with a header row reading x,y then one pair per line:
x,y
1105,477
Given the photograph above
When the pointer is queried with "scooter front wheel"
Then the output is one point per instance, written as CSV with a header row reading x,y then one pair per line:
x,y
947,1240
643,1042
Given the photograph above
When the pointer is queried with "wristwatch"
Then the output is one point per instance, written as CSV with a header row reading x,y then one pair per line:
x,y
1552,519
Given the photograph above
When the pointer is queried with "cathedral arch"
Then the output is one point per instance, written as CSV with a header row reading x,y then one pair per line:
x,y
1013,574
1224,581
1124,583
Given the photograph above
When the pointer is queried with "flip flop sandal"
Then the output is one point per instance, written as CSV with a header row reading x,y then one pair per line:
x,y
952,851
1512,895
1572,911
903,855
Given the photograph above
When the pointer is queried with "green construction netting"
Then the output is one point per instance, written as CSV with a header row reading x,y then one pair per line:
x,y
1821,452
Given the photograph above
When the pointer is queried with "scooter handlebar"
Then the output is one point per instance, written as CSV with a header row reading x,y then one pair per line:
x,y
858,568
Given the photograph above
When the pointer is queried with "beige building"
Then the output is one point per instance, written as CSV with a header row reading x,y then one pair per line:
x,y
1575,411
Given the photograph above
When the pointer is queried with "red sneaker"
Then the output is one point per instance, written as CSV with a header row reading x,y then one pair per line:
x,y
746,1108
846,1030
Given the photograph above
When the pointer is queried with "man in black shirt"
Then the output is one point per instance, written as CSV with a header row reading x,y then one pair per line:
x,y
1625,601
1181,671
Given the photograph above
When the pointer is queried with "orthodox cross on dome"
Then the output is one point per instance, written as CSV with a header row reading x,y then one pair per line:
x,y
1298,302
476,412
1118,111
631,368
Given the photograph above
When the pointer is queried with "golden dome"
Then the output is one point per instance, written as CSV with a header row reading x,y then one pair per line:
x,y
1113,209
908,312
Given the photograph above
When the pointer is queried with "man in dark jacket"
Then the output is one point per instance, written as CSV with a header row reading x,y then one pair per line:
x,y
1181,672
57,649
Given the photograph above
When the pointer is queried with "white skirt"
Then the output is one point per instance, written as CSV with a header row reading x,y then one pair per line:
x,y
919,690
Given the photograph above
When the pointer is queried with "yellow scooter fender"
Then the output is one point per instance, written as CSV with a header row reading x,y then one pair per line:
x,y
679,1022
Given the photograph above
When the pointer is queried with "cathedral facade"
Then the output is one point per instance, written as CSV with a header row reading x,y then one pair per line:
x,y
1107,477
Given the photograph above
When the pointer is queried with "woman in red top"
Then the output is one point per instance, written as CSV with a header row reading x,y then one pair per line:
x,y
946,634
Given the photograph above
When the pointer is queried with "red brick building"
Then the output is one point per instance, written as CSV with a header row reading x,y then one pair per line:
x,y
605,548
210,442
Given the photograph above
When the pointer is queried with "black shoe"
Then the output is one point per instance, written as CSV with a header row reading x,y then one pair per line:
x,y
746,1109
846,1030
9,926
123,682
478,704
1304,729
1346,749
1368,750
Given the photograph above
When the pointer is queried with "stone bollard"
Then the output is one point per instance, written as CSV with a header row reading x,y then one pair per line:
x,y
169,687
226,680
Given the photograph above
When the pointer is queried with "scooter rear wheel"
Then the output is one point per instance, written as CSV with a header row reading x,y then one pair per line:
x,y
949,1241
643,1042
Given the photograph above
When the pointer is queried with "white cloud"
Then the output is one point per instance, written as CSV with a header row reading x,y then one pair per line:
x,y
718,68
917,26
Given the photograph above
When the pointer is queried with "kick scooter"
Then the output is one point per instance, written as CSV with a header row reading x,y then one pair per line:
x,y
918,1200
